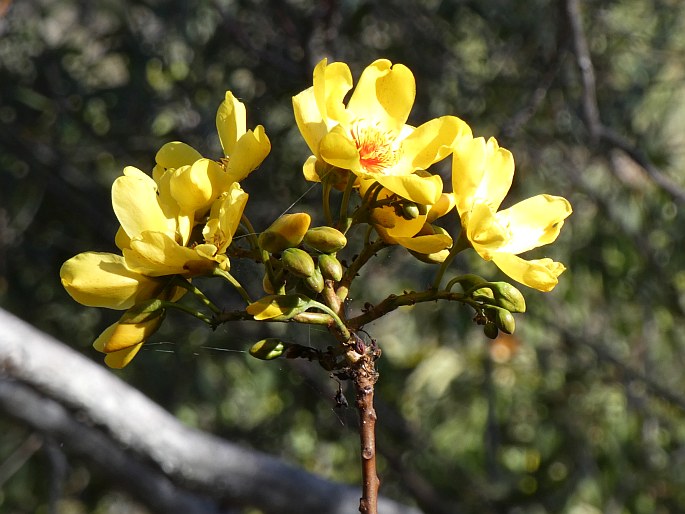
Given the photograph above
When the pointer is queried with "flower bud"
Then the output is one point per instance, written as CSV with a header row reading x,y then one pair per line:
x,y
268,349
278,307
286,232
325,239
502,318
330,267
490,330
409,211
298,262
315,281
508,297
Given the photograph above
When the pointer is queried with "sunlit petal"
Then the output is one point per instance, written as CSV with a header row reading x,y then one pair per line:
x,y
103,280
541,274
385,94
230,122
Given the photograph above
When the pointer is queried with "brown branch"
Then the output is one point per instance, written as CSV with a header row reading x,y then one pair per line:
x,y
393,302
365,376
145,450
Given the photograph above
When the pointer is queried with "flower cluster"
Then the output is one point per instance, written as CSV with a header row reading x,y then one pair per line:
x,y
180,221
368,144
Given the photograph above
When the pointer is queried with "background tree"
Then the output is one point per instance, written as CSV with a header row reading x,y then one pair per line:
x,y
581,409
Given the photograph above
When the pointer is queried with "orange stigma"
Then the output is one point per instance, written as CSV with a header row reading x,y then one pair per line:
x,y
376,153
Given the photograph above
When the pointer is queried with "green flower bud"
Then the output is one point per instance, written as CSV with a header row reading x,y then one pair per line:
x,y
508,297
268,349
143,312
325,239
298,262
315,281
286,232
502,318
410,211
490,330
330,267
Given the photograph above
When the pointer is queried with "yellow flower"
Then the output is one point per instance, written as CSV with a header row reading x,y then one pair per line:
x,y
482,174
103,280
121,341
159,250
411,230
369,136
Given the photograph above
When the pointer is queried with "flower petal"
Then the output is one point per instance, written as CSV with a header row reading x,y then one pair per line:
x,y
432,142
156,254
191,186
485,233
420,189
309,119
134,198
331,84
534,222
124,335
339,150
426,244
176,154
248,153
384,94
481,172
102,280
540,274
225,217
118,359
231,122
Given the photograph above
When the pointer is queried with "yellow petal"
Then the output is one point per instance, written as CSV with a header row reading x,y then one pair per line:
x,y
156,254
119,359
309,169
539,274
102,280
485,233
124,335
534,222
338,149
420,189
481,172
384,94
176,154
225,217
309,119
444,205
191,186
231,122
134,198
331,84
248,153
428,244
432,142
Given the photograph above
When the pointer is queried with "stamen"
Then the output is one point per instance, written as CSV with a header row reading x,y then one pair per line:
x,y
376,153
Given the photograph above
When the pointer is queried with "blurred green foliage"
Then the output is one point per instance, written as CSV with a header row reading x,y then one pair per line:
x,y
581,411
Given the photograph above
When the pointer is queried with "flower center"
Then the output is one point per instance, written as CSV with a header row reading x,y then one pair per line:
x,y
376,152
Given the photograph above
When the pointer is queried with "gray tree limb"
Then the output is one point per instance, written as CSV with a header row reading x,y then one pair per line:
x,y
144,449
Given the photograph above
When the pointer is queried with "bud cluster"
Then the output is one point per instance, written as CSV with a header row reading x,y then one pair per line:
x,y
301,257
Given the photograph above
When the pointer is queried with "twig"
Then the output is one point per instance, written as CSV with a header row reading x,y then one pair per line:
x,y
365,376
